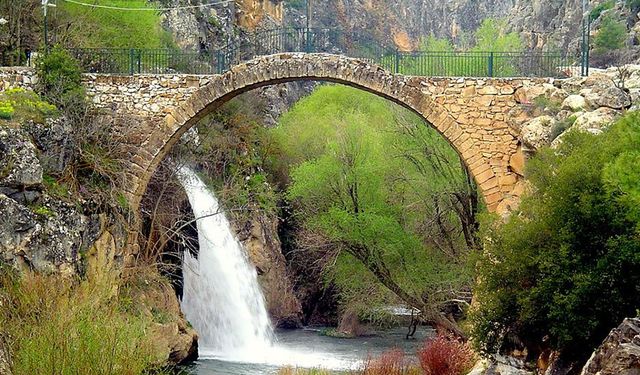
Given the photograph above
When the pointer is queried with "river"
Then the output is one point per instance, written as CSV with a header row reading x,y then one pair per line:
x,y
308,348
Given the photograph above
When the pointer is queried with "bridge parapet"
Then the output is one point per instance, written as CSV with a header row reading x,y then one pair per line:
x,y
480,117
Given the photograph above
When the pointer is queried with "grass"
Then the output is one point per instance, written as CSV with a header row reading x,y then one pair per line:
x,y
82,26
64,327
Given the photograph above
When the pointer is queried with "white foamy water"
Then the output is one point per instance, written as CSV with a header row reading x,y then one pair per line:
x,y
221,296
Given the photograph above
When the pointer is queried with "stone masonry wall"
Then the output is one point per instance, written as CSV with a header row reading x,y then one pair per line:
x,y
481,118
12,77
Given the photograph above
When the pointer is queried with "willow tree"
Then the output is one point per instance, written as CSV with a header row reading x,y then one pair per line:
x,y
368,182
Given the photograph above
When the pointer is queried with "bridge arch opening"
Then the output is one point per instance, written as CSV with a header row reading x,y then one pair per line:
x,y
494,180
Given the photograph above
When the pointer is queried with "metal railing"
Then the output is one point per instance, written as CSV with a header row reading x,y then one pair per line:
x,y
316,40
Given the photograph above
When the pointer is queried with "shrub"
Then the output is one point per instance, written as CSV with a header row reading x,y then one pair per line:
x,y
60,81
446,355
21,104
6,110
562,271
598,9
611,35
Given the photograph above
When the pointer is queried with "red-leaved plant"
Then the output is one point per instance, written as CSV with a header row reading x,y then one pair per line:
x,y
446,355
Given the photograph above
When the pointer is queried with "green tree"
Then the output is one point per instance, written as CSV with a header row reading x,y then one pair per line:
x,y
566,265
492,36
374,190
611,35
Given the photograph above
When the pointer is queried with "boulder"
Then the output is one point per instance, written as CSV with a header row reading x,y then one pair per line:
x,y
19,164
500,365
537,132
619,353
574,103
611,97
573,84
595,121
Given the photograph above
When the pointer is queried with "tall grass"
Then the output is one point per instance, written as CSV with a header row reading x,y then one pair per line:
x,y
56,326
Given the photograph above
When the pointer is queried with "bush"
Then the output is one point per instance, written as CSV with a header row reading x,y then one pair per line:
x,y
60,81
563,271
611,35
21,104
57,326
6,110
446,355
598,9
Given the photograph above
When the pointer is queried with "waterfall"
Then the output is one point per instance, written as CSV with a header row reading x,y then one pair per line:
x,y
221,296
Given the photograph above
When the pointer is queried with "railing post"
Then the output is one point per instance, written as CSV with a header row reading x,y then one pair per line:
x,y
131,58
218,58
308,41
139,60
490,63
396,67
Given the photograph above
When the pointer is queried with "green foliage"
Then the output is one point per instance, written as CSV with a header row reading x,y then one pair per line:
x,y
62,327
43,211
633,5
544,104
60,80
566,265
611,35
364,176
598,9
491,36
18,104
231,155
6,110
83,26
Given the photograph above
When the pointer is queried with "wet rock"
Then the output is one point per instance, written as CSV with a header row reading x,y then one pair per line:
x,y
19,164
260,237
619,353
500,365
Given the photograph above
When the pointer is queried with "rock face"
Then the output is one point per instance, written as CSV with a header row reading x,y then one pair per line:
x,y
619,353
36,231
260,238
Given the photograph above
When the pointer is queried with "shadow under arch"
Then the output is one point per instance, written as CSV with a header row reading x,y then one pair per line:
x,y
287,67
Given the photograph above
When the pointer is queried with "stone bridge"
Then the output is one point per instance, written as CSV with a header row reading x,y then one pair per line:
x,y
479,117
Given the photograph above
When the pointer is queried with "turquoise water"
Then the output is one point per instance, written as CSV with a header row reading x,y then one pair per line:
x,y
307,348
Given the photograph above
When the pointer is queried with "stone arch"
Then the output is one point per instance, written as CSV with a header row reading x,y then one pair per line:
x,y
267,70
